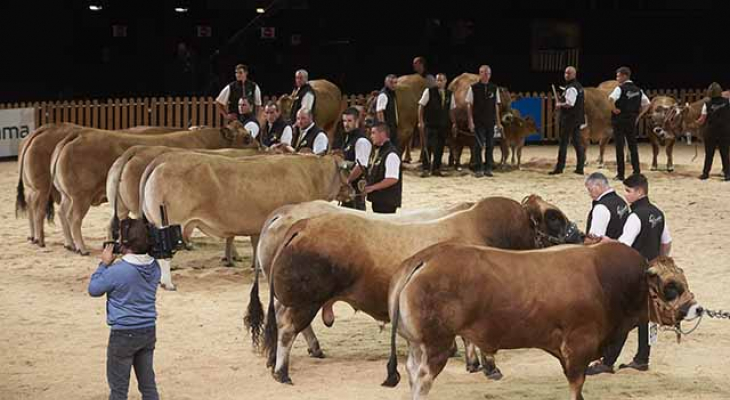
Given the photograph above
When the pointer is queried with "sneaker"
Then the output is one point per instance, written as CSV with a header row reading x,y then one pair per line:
x,y
704,176
599,368
555,172
635,365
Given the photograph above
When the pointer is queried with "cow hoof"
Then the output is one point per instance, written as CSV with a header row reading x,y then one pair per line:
x,y
41,245
472,368
318,353
69,248
82,252
654,168
237,258
29,238
170,287
282,377
494,375
670,169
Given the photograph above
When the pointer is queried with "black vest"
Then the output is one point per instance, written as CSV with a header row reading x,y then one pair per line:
x,y
649,241
348,145
297,104
307,140
436,113
390,115
389,196
271,134
237,91
485,103
245,119
718,115
629,102
574,115
619,211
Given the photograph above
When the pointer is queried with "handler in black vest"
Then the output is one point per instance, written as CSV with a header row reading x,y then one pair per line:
x,y
248,119
275,129
307,135
229,100
386,107
609,211
304,95
572,118
356,148
716,114
385,177
483,101
629,101
646,231
435,118
421,68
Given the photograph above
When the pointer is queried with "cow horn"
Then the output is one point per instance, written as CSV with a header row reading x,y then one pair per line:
x,y
652,271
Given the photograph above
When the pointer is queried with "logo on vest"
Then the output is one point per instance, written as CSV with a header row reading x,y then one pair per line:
x,y
631,95
622,210
653,221
716,107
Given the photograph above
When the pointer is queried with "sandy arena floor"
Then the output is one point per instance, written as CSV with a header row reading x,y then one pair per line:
x,y
53,335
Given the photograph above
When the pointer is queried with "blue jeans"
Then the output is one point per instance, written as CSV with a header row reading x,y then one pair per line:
x,y
483,140
127,348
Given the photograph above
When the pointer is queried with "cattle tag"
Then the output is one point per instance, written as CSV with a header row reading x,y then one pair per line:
x,y
653,333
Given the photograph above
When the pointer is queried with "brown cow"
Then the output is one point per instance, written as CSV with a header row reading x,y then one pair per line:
x,y
570,301
682,119
274,232
598,110
35,193
227,197
514,137
327,106
80,166
657,115
463,137
351,258
122,183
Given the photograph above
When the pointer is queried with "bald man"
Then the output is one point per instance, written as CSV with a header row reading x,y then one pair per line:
x,y
572,118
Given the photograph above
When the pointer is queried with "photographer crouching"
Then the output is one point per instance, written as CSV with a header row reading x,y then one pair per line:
x,y
131,288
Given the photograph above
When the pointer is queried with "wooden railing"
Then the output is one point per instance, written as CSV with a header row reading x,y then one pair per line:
x,y
183,112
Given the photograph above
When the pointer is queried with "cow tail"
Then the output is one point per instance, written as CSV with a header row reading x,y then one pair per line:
x,y
254,318
393,375
271,330
20,203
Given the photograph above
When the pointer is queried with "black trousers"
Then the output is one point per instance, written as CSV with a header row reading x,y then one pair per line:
x,y
483,141
433,148
358,203
384,208
624,131
393,130
717,140
613,350
127,349
570,131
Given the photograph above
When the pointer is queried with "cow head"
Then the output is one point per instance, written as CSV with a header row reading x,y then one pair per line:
x,y
550,224
238,136
285,103
505,107
670,300
346,192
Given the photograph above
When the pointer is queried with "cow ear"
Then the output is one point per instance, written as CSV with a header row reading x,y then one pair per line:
x,y
227,133
652,272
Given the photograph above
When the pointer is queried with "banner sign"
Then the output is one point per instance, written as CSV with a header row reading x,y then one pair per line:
x,y
15,124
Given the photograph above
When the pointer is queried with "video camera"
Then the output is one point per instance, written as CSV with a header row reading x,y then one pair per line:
x,y
163,242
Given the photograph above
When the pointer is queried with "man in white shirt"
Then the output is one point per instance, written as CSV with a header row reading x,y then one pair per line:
x,y
482,101
572,119
356,147
420,67
275,130
304,95
716,119
386,107
435,118
629,101
248,120
229,100
609,211
384,180
306,135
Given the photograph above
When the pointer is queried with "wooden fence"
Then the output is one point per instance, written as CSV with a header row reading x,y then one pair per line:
x,y
183,112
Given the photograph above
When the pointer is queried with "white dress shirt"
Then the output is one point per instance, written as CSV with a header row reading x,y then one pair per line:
x,y
382,102
425,97
307,101
571,95
225,94
321,142
286,135
632,228
616,94
363,148
470,96
600,217
253,128
392,166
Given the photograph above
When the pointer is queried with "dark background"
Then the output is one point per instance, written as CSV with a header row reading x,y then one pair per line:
x,y
60,49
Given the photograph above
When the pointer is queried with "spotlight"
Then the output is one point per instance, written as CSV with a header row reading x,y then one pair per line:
x,y
260,10
95,7
181,9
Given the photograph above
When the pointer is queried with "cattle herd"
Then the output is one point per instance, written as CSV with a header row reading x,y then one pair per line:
x,y
435,274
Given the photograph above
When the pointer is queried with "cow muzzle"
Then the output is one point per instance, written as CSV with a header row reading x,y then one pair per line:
x,y
508,118
573,235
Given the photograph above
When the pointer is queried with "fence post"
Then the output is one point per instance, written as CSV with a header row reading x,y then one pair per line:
x,y
194,112
185,112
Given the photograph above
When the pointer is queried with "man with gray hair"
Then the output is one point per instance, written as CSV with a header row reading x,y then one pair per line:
x,y
609,211
304,95
386,108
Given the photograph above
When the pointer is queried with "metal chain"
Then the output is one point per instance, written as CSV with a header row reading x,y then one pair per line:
x,y
720,314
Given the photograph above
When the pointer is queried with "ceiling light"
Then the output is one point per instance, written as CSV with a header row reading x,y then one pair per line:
x,y
95,7
181,9
260,10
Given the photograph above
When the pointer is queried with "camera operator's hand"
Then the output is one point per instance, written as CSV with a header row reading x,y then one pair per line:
x,y
107,255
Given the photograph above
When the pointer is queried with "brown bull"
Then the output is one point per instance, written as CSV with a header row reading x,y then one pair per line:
x,y
351,258
571,301
657,115
514,137
80,165
463,137
122,183
227,197
682,119
327,106
408,91
274,232
36,194
598,110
